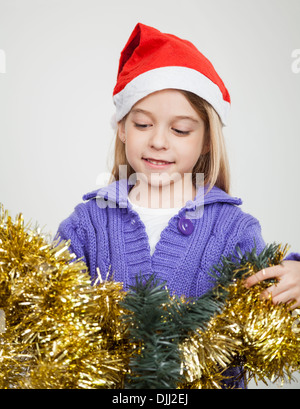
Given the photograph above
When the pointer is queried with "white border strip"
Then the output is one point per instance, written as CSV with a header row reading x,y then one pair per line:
x,y
158,79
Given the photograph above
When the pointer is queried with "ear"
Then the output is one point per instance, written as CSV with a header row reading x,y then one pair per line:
x,y
121,130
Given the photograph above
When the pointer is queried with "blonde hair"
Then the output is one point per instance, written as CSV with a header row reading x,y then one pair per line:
x,y
213,164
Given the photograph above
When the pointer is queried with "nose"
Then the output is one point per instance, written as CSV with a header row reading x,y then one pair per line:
x,y
159,139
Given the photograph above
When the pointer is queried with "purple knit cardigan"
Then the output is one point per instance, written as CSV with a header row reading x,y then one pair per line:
x,y
107,233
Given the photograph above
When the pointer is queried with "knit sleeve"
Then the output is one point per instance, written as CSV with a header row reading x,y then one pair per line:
x,y
86,229
71,229
252,237
293,256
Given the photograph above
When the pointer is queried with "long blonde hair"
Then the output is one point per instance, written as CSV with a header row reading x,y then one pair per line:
x,y
213,164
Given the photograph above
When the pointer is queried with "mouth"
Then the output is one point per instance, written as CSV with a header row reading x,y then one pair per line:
x,y
157,162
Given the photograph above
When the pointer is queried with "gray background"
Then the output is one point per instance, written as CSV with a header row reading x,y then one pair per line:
x,y
55,100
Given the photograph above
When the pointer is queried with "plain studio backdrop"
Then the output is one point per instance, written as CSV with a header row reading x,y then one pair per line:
x,y
58,67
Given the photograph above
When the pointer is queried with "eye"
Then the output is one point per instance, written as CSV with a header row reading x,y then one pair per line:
x,y
181,132
141,126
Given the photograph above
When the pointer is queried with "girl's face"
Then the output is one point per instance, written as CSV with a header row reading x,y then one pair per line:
x,y
162,134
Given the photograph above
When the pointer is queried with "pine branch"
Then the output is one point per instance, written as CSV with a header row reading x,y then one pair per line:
x,y
157,362
158,323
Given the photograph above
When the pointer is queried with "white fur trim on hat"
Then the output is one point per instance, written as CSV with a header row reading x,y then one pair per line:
x,y
158,79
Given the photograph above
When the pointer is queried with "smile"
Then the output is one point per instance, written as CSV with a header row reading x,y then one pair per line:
x,y
157,162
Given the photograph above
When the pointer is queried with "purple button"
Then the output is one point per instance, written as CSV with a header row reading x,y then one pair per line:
x,y
185,226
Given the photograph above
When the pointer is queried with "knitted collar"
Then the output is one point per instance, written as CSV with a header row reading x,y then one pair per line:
x,y
117,193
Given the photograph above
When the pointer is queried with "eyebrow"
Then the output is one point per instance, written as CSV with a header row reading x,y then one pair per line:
x,y
143,111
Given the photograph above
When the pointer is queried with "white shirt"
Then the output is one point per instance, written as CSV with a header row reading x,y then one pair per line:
x,y
155,220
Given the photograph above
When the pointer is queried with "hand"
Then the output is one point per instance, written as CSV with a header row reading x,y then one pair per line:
x,y
287,289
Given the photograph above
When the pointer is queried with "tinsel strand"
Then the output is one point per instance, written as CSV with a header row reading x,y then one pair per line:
x,y
59,331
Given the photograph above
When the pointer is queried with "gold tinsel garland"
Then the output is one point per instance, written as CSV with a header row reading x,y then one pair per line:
x,y
58,331
250,331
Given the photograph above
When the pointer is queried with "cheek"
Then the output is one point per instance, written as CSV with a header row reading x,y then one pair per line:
x,y
132,149
189,150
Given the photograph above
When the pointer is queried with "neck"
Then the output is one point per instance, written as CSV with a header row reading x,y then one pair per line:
x,y
175,194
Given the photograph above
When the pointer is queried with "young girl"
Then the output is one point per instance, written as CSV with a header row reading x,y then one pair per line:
x,y
168,209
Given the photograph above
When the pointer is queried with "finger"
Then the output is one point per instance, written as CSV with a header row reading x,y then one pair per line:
x,y
283,298
270,291
265,274
282,294
276,289
292,304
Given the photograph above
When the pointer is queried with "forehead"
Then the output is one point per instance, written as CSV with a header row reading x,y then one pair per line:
x,y
166,102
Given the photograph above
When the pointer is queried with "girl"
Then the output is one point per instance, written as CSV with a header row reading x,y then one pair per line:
x,y
167,209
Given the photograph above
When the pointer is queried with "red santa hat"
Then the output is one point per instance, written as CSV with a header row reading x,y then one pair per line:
x,y
152,61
